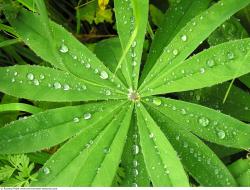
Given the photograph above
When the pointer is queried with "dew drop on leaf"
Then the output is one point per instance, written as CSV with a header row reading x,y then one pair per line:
x,y
106,150
66,87
151,135
221,134
157,101
87,65
76,120
57,85
36,82
210,63
184,38
104,75
203,121
135,149
64,48
230,55
133,44
202,70
175,52
87,116
30,76
135,163
108,92
46,171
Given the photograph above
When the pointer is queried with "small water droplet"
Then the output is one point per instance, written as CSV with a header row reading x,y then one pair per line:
x,y
210,63
184,38
57,85
135,163
106,150
36,82
230,55
46,171
64,48
175,52
87,65
66,87
157,101
104,75
30,76
76,120
151,135
133,44
135,149
202,70
203,121
87,116
221,134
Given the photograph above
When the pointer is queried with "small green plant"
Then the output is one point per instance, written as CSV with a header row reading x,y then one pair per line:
x,y
120,128
17,171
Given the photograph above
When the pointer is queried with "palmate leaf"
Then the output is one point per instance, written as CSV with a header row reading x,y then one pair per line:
x,y
47,84
131,20
182,12
51,127
215,65
162,163
64,51
91,158
204,122
190,37
205,167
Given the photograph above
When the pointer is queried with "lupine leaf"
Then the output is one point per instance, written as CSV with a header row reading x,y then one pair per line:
x,y
131,20
65,52
237,104
190,37
205,167
132,160
89,155
52,127
205,122
215,65
47,84
162,163
182,12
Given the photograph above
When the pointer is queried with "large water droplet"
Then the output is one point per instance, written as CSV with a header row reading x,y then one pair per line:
x,y
203,121
30,76
104,75
87,116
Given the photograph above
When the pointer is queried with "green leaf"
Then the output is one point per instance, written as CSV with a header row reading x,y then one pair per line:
x,y
132,161
204,122
156,15
237,104
131,24
52,127
104,15
229,30
91,155
162,163
200,161
47,84
19,107
190,37
87,12
213,66
246,80
175,18
6,172
241,171
69,54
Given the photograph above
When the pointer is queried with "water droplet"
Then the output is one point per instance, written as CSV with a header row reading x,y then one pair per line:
x,y
151,135
87,65
87,116
135,163
203,121
134,185
36,82
175,52
210,63
64,48
202,70
57,85
108,92
42,76
157,101
221,134
183,111
230,55
135,149
104,75
30,76
106,150
133,44
184,38
135,172
46,171
76,120
66,87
